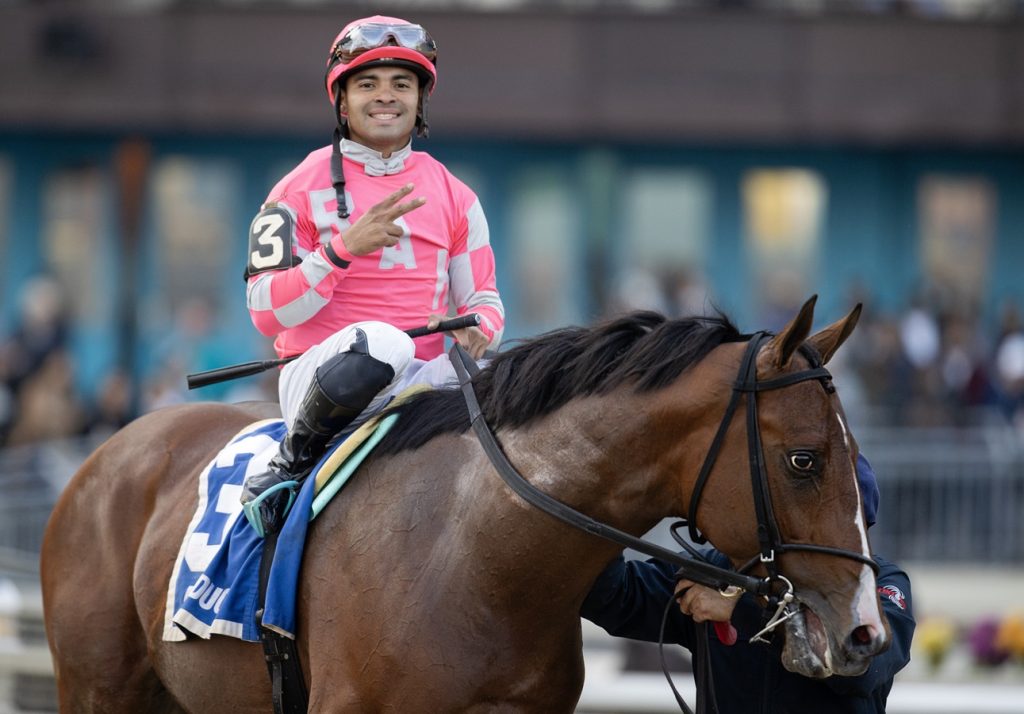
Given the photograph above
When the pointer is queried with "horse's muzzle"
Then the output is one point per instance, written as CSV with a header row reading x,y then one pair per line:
x,y
814,651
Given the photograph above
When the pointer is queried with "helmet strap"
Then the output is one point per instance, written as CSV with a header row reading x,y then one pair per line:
x,y
337,170
422,127
338,173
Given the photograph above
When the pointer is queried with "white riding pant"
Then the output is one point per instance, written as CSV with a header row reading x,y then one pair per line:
x,y
385,343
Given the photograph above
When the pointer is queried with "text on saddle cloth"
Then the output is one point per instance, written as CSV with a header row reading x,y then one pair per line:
x,y
215,582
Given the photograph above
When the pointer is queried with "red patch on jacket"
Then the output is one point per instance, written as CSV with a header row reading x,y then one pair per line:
x,y
894,595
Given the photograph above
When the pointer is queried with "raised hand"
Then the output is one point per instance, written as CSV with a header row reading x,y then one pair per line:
x,y
376,228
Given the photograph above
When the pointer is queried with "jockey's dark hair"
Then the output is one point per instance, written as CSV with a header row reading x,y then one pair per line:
x,y
539,375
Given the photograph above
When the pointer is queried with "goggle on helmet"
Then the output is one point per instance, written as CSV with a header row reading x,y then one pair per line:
x,y
381,40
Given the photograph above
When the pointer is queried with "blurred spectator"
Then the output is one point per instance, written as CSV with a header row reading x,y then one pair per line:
x,y
883,366
40,330
921,367
6,405
1009,365
919,335
48,406
965,373
165,387
112,408
191,345
688,293
261,388
639,289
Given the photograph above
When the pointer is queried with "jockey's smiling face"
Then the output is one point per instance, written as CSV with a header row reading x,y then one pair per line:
x,y
380,104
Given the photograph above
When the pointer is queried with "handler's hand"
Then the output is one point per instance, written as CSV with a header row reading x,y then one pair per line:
x,y
703,603
376,228
472,339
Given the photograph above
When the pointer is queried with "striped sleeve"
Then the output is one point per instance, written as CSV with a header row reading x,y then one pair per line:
x,y
280,299
472,275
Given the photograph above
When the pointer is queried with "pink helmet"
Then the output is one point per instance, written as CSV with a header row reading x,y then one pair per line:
x,y
381,40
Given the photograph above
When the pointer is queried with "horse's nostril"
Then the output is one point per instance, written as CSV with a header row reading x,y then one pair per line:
x,y
866,640
862,635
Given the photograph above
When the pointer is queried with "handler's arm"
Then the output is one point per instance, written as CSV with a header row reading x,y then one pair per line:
x,y
629,598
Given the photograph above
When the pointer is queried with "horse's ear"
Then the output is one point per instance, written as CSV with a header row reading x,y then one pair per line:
x,y
828,340
782,346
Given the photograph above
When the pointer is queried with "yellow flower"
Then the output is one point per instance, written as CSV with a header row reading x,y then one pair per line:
x,y
934,638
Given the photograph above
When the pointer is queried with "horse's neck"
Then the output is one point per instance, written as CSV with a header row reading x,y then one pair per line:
x,y
591,456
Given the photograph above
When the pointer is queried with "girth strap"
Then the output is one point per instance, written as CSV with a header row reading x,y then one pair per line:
x,y
282,656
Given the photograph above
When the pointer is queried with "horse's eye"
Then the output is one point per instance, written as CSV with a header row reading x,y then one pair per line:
x,y
802,461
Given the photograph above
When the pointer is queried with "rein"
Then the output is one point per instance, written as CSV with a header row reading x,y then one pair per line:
x,y
700,572
695,569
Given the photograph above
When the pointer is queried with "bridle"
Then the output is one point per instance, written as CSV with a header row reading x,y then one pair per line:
x,y
693,568
780,606
768,536
770,541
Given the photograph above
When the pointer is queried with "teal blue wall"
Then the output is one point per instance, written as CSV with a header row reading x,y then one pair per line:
x,y
870,232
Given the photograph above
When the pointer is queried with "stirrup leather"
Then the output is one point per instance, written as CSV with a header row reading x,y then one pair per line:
x,y
252,508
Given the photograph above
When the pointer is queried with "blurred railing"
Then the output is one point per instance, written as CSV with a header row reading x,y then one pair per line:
x,y
949,495
31,479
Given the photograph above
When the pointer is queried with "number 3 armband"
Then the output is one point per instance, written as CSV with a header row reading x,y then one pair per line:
x,y
271,237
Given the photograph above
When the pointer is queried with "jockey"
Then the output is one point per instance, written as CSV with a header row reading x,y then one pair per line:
x,y
628,600
339,265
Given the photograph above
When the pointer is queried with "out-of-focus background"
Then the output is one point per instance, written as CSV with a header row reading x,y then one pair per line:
x,y
667,154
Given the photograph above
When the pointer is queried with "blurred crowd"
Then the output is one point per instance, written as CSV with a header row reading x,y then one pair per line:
x,y
42,394
934,362
38,397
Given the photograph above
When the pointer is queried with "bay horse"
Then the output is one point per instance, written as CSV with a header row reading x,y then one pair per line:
x,y
428,586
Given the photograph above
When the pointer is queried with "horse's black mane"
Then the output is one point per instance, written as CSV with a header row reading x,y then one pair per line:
x,y
541,374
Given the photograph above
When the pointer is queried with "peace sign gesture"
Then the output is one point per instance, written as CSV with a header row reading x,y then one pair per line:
x,y
376,228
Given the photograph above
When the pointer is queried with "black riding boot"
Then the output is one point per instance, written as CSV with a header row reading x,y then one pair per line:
x,y
341,389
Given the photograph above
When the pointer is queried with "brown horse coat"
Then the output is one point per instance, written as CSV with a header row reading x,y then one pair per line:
x,y
428,586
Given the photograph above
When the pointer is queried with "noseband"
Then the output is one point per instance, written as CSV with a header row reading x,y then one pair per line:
x,y
696,569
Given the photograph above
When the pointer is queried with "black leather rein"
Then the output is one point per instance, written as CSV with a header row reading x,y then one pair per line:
x,y
698,571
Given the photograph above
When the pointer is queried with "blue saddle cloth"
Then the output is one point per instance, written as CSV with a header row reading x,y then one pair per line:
x,y
214,588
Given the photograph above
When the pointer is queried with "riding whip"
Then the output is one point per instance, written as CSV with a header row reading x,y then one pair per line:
x,y
224,374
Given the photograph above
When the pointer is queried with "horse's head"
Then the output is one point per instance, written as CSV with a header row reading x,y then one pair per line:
x,y
807,457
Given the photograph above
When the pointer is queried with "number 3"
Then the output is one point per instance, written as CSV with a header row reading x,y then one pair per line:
x,y
270,240
264,231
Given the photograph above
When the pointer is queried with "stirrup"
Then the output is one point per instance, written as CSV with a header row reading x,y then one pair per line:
x,y
252,508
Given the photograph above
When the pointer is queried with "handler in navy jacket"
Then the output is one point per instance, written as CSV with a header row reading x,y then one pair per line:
x,y
629,598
